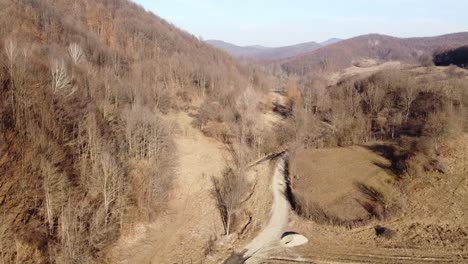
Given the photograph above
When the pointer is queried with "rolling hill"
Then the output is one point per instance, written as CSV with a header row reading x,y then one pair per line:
x,y
374,47
257,52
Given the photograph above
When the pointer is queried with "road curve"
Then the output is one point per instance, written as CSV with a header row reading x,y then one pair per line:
x,y
272,233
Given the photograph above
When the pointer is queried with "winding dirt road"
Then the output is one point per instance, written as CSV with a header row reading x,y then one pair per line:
x,y
270,236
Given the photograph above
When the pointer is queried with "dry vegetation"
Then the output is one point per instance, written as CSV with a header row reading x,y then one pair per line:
x,y
349,188
417,110
432,224
85,150
228,191
405,122
380,48
373,169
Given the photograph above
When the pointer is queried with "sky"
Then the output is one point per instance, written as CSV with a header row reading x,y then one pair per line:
x,y
285,22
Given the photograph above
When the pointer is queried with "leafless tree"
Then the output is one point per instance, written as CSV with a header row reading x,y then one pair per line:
x,y
293,92
245,127
228,190
109,182
410,93
352,99
108,155
76,52
145,132
61,81
395,121
374,95
11,50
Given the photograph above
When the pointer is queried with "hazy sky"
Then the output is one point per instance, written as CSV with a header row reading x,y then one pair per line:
x,y
283,22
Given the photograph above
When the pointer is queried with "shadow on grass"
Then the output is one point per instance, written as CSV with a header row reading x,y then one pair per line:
x,y
397,159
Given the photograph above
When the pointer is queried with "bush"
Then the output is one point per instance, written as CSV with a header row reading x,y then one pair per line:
x,y
208,111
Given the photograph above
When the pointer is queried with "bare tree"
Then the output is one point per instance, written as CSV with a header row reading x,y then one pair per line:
x,y
374,95
150,150
228,191
395,121
54,191
244,128
145,132
10,50
109,182
410,93
293,92
61,81
76,52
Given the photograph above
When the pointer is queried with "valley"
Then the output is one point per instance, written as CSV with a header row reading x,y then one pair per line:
x,y
258,52
126,139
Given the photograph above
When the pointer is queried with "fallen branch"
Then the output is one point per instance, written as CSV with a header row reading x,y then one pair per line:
x,y
271,156
296,260
251,193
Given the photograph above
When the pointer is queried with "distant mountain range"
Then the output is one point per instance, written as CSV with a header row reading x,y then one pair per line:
x,y
268,53
379,48
336,54
330,41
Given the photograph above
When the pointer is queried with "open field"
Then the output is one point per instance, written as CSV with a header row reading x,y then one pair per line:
x,y
430,228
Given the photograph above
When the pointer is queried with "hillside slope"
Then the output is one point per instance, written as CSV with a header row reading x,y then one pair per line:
x,y
458,56
376,47
432,229
191,219
85,150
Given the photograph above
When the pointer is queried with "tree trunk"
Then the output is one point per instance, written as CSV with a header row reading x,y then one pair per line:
x,y
228,224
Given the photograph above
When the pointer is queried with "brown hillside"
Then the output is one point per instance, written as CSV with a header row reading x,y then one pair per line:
x,y
85,151
376,47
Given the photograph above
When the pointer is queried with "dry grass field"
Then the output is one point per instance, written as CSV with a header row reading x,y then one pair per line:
x,y
329,179
430,227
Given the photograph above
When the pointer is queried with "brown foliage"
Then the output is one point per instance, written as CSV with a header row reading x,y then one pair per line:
x,y
292,92
377,47
389,105
83,87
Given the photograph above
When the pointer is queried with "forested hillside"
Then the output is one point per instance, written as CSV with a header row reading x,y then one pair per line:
x,y
458,56
84,148
379,48
127,140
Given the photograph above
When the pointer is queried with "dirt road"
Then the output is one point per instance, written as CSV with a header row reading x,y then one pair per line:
x,y
270,236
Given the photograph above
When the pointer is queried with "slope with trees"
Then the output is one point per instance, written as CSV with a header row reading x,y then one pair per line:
x,y
376,47
86,151
458,56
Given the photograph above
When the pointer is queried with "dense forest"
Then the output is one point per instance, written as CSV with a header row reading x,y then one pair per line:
x,y
458,56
